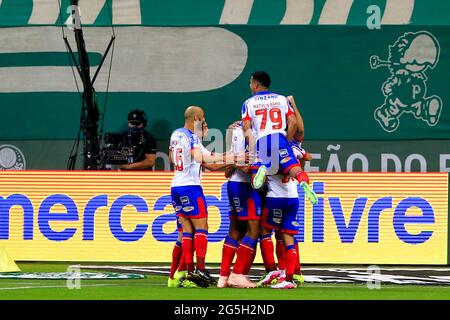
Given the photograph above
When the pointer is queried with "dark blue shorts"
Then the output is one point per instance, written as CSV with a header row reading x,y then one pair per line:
x,y
281,214
189,202
245,202
275,152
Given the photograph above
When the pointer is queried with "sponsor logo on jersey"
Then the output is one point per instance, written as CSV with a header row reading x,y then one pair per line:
x,y
285,160
277,213
188,209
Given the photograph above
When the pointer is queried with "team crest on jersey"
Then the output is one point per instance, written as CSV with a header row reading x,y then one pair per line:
x,y
184,200
295,224
284,152
277,213
188,209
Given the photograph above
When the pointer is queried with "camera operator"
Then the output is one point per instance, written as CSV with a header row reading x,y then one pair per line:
x,y
142,142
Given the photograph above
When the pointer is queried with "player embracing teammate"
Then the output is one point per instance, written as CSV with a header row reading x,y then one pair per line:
x,y
245,210
271,129
188,156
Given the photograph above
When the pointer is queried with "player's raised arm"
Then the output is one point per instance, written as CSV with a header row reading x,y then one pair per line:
x,y
291,121
300,133
237,125
247,127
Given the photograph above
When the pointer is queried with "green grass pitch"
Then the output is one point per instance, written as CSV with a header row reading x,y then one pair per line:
x,y
154,287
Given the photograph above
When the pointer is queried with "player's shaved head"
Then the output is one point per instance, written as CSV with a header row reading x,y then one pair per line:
x,y
193,113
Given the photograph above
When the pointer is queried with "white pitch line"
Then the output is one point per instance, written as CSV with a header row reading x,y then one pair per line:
x,y
152,268
46,287
381,269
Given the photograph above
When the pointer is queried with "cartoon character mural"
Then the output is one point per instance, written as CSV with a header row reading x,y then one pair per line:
x,y
406,90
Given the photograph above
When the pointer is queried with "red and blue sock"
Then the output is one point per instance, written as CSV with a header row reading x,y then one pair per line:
x,y
281,254
177,252
200,245
297,269
302,176
250,262
182,266
291,257
187,245
229,249
266,245
244,254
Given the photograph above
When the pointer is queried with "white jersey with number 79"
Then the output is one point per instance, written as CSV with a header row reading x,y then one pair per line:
x,y
268,113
